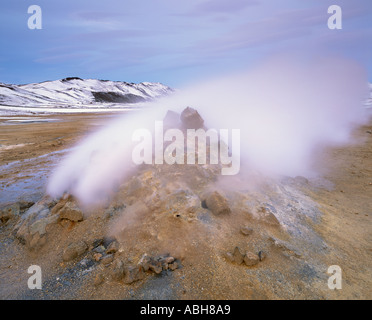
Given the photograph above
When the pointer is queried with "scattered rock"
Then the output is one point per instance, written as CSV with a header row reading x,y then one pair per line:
x,y
246,230
191,119
40,225
106,260
97,256
268,216
71,212
155,266
97,242
113,247
251,259
133,273
261,255
238,256
145,262
118,270
217,203
99,249
173,266
74,250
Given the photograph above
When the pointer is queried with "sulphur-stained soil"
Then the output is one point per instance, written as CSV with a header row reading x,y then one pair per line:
x,y
181,232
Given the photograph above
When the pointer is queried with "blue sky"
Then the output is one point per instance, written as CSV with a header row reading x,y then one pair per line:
x,y
173,42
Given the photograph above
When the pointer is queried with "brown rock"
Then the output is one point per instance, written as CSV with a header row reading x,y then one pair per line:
x,y
133,273
268,216
229,257
173,266
97,256
71,212
118,270
74,250
155,266
238,256
106,260
113,247
217,204
246,231
251,259
145,262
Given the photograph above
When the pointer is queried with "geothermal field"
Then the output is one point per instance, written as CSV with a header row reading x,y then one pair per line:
x,y
100,225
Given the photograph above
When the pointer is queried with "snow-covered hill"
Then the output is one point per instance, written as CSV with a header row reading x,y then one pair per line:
x,y
78,93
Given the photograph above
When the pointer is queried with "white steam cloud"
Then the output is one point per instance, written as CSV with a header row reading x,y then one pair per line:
x,y
286,109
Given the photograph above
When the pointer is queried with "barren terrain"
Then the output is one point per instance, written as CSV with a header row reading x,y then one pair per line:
x,y
297,227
